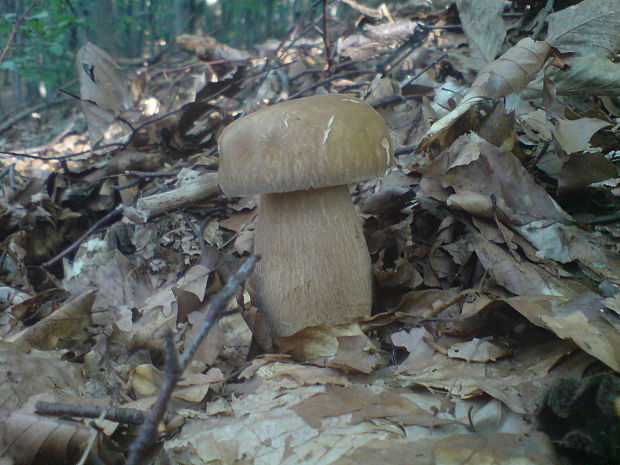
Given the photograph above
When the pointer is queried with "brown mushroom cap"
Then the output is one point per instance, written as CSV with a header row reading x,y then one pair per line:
x,y
312,142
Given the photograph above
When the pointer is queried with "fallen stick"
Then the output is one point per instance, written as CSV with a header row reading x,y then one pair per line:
x,y
197,189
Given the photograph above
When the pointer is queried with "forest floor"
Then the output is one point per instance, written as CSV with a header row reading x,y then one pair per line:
x,y
495,334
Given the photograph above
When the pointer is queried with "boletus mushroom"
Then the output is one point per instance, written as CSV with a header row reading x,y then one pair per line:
x,y
300,155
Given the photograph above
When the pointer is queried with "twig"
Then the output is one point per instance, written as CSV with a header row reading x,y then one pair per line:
x,y
113,216
403,51
18,115
604,219
216,307
327,81
424,70
326,40
542,19
406,149
268,64
147,174
116,145
148,429
175,367
200,188
440,306
128,416
18,22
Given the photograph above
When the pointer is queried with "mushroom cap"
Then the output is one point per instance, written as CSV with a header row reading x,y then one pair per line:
x,y
312,142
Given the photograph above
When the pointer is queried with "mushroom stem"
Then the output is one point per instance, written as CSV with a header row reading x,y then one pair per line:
x,y
315,266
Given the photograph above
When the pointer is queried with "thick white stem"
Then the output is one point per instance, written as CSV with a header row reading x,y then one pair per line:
x,y
315,267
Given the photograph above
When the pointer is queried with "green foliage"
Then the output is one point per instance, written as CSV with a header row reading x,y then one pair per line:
x,y
48,40
47,44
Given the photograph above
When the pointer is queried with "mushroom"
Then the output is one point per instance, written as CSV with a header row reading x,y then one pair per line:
x,y
299,156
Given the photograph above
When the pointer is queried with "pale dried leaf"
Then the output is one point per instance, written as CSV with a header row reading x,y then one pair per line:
x,y
520,279
363,404
263,428
102,90
483,24
478,350
493,449
588,28
195,280
26,375
574,135
520,381
62,328
151,334
586,321
345,347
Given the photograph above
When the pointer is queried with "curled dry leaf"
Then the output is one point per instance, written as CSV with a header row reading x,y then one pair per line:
x,y
509,74
343,347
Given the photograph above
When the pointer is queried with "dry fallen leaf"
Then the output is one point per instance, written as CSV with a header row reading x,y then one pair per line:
x,y
495,449
345,347
102,90
26,438
483,24
478,350
363,404
66,326
509,74
36,372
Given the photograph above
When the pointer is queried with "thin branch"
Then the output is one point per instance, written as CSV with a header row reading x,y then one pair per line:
x,y
116,145
18,22
217,306
424,70
148,429
128,416
175,367
113,216
268,64
326,39
327,81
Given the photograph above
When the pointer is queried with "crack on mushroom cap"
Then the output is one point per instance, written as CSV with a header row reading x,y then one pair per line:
x,y
329,129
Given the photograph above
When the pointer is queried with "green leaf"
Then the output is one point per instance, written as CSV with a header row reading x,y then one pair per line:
x,y
41,15
8,65
57,49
